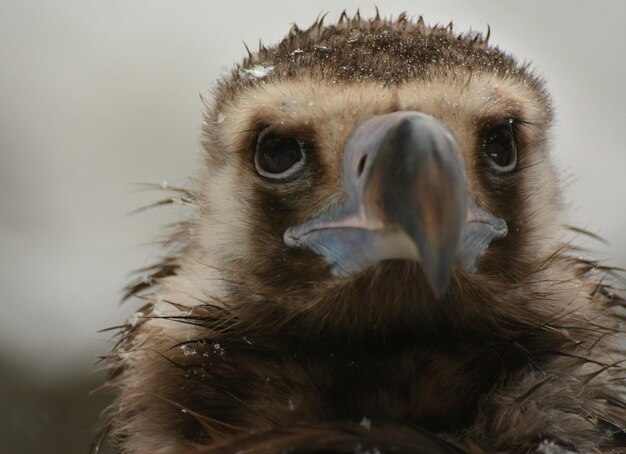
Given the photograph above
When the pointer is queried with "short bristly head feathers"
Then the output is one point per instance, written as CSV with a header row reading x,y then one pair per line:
x,y
317,85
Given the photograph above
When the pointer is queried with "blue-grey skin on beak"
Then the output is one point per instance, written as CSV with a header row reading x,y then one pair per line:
x,y
407,199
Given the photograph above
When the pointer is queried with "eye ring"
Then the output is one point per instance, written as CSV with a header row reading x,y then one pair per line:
x,y
279,157
500,148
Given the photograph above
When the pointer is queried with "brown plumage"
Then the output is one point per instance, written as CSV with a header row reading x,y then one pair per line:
x,y
248,343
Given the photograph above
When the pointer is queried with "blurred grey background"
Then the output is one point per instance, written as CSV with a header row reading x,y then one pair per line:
x,y
97,95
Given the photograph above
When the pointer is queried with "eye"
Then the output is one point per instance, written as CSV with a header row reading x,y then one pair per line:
x,y
277,156
500,147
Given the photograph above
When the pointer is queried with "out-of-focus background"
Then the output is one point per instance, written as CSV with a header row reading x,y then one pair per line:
x,y
97,95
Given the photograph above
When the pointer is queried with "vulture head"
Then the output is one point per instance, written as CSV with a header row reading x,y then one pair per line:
x,y
375,260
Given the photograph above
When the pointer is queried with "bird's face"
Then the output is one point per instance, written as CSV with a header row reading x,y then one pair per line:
x,y
372,203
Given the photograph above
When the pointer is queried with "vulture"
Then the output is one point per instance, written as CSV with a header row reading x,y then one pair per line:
x,y
374,261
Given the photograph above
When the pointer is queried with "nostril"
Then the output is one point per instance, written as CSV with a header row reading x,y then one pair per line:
x,y
361,166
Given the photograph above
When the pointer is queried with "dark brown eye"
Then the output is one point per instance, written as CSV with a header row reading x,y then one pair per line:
x,y
278,157
500,148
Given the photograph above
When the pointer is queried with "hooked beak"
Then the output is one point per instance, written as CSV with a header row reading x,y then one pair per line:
x,y
407,199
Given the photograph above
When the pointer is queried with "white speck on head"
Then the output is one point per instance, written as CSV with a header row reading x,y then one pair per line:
x,y
157,310
221,117
134,318
256,72
366,423
550,447
187,350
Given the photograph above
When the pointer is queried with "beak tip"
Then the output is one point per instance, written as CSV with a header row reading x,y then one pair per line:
x,y
439,284
437,265
441,288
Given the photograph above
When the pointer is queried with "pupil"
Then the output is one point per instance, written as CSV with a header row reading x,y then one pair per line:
x,y
500,147
500,154
280,154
